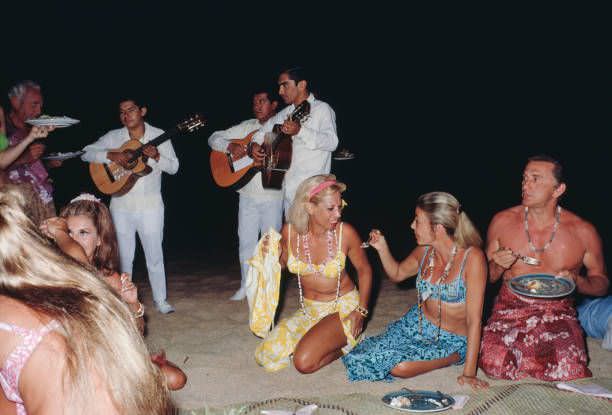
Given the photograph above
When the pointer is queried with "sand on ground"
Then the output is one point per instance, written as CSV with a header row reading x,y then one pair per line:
x,y
209,338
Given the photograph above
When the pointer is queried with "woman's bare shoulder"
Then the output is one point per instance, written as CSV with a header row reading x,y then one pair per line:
x,y
15,312
348,230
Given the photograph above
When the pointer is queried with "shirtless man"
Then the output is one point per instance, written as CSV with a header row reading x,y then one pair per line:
x,y
535,337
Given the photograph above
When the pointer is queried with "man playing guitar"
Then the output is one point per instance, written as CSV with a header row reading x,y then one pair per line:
x,y
314,139
141,209
258,208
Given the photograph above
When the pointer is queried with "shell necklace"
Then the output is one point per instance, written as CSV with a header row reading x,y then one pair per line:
x,y
331,236
439,285
552,235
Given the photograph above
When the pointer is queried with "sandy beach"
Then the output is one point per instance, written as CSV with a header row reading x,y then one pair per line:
x,y
209,338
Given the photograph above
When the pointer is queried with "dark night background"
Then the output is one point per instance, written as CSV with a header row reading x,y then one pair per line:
x,y
449,98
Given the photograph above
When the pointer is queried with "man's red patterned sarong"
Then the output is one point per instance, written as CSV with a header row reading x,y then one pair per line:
x,y
533,337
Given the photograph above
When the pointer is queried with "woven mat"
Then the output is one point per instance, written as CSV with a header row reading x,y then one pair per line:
x,y
518,398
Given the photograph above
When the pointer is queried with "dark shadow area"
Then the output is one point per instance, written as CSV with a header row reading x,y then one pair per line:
x,y
426,100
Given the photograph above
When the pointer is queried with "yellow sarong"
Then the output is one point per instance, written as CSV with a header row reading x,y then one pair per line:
x,y
274,352
263,284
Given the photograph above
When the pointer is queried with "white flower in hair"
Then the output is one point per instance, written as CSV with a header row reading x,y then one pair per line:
x,y
85,196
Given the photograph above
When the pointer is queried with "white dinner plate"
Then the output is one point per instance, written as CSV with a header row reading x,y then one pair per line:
x,y
419,401
53,121
63,156
349,157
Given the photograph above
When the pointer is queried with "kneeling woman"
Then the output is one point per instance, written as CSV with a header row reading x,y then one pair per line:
x,y
444,327
314,246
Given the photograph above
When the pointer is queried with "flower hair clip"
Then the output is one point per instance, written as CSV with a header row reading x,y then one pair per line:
x,y
86,196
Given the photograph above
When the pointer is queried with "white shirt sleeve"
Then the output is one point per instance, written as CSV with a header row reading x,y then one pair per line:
x,y
219,140
322,136
96,152
258,137
168,162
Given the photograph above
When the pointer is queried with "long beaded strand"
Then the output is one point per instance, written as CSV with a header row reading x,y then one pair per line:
x,y
311,267
439,284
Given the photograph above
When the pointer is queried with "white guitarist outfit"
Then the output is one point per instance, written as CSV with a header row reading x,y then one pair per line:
x,y
259,209
141,209
312,146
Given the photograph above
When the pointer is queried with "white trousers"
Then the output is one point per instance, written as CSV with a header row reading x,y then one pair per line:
x,y
150,227
255,217
286,205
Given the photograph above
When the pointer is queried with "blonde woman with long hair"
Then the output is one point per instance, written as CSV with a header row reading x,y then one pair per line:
x,y
444,327
314,245
59,319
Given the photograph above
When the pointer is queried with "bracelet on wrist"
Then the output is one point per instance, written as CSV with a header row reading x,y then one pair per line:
x,y
140,312
362,310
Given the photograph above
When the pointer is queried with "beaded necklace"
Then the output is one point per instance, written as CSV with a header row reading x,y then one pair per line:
x,y
331,236
439,285
552,236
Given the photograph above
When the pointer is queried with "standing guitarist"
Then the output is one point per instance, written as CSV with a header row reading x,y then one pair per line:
x,y
142,208
258,208
314,139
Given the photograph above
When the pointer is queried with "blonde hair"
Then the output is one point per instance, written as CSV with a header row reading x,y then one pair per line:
x,y
298,215
98,329
28,200
444,209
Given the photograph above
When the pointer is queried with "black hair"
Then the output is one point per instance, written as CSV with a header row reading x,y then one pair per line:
x,y
297,74
557,167
135,99
269,91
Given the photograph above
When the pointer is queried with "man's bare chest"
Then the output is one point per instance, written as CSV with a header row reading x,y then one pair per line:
x,y
565,251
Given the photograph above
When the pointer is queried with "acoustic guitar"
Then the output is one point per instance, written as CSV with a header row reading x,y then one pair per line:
x,y
228,171
278,149
113,179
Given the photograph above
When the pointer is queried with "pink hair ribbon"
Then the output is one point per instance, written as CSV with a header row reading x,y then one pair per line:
x,y
320,186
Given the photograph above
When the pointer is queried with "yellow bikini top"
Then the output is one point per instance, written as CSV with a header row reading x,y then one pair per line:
x,y
328,269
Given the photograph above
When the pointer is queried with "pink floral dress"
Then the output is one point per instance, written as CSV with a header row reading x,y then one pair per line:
x,y
9,372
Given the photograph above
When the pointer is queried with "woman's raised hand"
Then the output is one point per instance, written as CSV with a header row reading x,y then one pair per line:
x,y
129,292
50,227
376,240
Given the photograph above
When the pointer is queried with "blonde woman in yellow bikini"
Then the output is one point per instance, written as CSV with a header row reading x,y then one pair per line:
x,y
314,246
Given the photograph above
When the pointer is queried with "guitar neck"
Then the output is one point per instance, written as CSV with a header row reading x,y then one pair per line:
x,y
165,136
156,141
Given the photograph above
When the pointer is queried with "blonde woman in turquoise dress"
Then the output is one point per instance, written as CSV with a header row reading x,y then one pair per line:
x,y
444,327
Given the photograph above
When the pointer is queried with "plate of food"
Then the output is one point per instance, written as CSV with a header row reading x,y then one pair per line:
x,y
63,156
541,286
418,401
48,121
344,154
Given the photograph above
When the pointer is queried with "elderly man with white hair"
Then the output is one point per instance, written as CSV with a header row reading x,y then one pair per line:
x,y
26,103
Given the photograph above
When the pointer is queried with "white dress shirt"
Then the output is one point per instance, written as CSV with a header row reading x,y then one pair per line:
x,y
312,145
219,140
146,193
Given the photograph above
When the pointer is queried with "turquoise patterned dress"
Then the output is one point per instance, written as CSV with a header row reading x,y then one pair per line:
x,y
375,357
